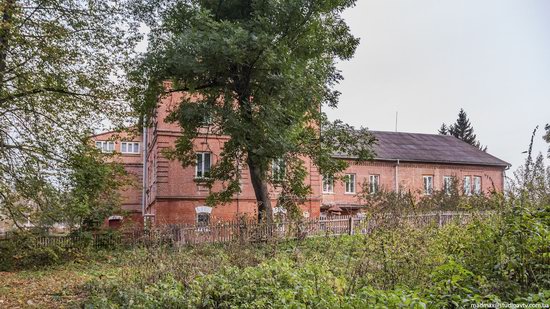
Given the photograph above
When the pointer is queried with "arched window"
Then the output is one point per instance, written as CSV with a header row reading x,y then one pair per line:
x,y
203,216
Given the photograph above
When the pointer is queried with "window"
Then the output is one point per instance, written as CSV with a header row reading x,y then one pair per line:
x,y
129,147
447,184
467,186
203,219
477,185
105,146
350,183
428,185
328,184
374,183
203,165
204,113
206,120
278,169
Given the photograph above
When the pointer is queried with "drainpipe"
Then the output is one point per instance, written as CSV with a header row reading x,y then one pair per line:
x,y
397,177
144,189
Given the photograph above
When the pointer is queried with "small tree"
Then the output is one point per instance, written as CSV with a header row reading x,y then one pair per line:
x,y
443,130
463,130
93,187
261,71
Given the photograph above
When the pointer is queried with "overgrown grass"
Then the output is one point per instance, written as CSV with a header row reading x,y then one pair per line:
x,y
501,258
454,266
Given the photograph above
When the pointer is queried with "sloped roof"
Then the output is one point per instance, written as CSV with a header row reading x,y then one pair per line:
x,y
429,148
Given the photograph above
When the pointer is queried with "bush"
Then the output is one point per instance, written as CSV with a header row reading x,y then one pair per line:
x,y
21,252
454,266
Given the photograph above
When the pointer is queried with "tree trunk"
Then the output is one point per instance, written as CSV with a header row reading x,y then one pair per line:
x,y
260,190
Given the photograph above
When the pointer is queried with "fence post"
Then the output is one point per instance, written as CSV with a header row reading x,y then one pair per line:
x,y
351,225
440,219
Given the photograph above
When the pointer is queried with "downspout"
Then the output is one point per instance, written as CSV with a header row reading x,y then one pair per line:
x,y
144,189
397,177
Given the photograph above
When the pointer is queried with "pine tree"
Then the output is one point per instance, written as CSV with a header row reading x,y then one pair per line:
x,y
443,130
464,131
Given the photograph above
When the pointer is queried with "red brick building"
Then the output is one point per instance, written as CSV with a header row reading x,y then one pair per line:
x,y
419,163
173,194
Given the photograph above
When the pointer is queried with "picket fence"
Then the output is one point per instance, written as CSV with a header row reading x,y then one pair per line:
x,y
249,232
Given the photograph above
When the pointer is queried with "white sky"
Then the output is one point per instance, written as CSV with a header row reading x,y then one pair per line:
x,y
428,58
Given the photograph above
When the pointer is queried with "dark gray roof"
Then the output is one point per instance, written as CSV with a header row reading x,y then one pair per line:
x,y
432,148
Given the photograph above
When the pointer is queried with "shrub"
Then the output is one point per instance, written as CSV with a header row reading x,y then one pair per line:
x,y
21,251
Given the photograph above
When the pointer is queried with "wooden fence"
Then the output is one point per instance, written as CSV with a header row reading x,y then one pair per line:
x,y
248,231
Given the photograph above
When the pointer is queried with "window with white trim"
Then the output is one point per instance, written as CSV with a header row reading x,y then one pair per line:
x,y
129,147
328,184
350,183
447,184
202,168
477,184
467,185
374,184
278,169
428,184
105,146
203,217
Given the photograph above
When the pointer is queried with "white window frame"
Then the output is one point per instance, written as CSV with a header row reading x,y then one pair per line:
x,y
447,184
104,146
467,185
477,184
350,183
428,184
328,184
202,211
374,183
132,146
203,164
278,169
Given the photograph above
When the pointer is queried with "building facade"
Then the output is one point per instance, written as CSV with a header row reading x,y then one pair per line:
x,y
170,193
416,163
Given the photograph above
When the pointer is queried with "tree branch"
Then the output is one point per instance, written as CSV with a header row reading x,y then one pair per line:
x,y
43,90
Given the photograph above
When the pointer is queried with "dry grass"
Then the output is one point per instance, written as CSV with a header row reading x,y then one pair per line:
x,y
56,287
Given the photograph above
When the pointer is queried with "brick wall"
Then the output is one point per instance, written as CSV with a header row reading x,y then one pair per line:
x,y
410,177
173,193
131,193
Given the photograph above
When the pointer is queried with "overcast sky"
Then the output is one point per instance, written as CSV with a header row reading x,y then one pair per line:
x,y
427,59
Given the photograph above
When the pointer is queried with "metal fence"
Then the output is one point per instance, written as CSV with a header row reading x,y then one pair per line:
x,y
247,231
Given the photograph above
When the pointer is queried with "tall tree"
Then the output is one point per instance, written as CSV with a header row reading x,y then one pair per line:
x,y
463,130
60,62
262,70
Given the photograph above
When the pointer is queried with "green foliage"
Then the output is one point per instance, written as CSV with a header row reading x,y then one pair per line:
x,y
21,252
260,71
408,201
25,250
443,130
396,266
463,130
95,187
60,64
